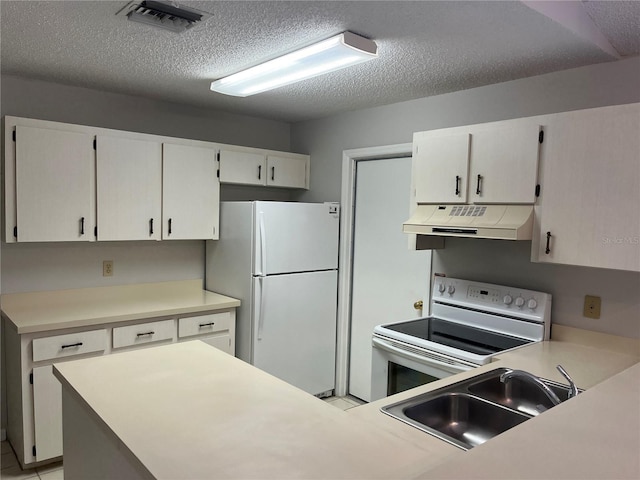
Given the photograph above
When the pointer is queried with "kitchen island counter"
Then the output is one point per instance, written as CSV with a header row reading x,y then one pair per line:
x,y
188,411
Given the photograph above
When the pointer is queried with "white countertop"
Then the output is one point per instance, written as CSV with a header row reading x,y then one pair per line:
x,y
184,409
187,409
54,310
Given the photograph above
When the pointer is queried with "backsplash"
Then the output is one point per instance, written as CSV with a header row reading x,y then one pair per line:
x,y
508,263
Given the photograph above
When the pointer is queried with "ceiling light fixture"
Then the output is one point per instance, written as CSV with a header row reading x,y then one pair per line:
x,y
327,56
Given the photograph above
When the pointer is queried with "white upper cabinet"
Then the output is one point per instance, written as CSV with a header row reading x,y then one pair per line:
x,y
286,172
243,168
486,163
587,213
54,193
441,167
190,193
504,164
129,189
65,182
255,168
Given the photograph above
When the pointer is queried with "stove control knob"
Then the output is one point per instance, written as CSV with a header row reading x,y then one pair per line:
x,y
519,302
532,304
451,289
507,300
441,287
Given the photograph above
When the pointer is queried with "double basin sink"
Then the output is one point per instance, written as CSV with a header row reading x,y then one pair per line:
x,y
470,412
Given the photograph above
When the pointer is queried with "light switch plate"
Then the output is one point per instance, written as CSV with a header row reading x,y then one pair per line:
x,y
591,306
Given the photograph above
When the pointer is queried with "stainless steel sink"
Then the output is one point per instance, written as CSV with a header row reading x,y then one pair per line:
x,y
462,419
518,393
472,411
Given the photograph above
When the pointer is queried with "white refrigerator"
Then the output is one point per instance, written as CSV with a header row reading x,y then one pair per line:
x,y
281,259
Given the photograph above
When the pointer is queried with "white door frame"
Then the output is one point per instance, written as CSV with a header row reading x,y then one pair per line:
x,y
347,202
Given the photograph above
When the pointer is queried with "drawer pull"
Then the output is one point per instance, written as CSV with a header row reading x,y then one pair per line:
x,y
145,334
210,324
548,249
79,344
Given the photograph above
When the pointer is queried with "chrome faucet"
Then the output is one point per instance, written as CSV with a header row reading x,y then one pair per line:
x,y
573,390
532,378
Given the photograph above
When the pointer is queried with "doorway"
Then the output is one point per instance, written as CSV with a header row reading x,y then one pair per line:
x,y
386,276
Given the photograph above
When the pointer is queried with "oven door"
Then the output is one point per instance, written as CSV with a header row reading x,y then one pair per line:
x,y
397,367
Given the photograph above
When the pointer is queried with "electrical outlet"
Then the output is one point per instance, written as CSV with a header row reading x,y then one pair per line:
x,y
591,306
107,268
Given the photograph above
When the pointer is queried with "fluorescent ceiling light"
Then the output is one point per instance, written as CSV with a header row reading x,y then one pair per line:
x,y
327,56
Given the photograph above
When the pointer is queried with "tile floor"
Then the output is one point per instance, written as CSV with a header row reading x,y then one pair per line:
x,y
343,403
10,468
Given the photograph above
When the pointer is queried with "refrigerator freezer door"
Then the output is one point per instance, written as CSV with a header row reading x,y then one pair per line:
x,y
294,237
295,328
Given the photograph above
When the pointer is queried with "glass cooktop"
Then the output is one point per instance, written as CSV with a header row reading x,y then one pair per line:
x,y
470,339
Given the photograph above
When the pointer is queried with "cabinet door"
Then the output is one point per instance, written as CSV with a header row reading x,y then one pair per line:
x,y
47,413
54,185
591,189
440,167
242,168
129,189
286,172
504,164
190,193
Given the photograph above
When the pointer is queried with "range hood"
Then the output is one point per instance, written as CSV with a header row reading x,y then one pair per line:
x,y
506,222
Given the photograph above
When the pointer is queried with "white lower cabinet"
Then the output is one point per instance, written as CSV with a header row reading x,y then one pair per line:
x,y
47,417
34,402
216,329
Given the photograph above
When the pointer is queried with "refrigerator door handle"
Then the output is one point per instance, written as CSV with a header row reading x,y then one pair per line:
x,y
260,312
263,246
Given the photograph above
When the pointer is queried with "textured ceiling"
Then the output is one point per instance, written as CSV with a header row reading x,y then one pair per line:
x,y
425,48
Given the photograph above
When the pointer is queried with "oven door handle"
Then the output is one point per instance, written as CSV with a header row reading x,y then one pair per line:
x,y
459,366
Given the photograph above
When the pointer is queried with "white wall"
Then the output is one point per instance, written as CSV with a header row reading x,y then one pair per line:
x,y
499,262
23,97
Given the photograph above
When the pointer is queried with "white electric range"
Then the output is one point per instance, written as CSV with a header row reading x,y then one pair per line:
x,y
470,323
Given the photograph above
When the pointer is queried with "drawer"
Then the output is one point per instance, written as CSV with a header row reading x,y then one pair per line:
x,y
143,333
203,324
60,346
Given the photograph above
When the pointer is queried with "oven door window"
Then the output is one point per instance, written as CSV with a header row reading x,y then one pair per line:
x,y
403,378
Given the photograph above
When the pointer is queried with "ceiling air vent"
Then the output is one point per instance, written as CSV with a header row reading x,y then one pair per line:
x,y
164,14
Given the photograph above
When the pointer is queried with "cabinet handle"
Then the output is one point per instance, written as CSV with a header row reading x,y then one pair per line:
x,y
151,226
259,172
210,324
82,226
273,173
169,226
79,344
548,250
478,186
145,334
457,185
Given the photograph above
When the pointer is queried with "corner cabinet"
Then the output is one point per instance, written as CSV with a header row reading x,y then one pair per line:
x,y
270,169
587,213
34,393
486,163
